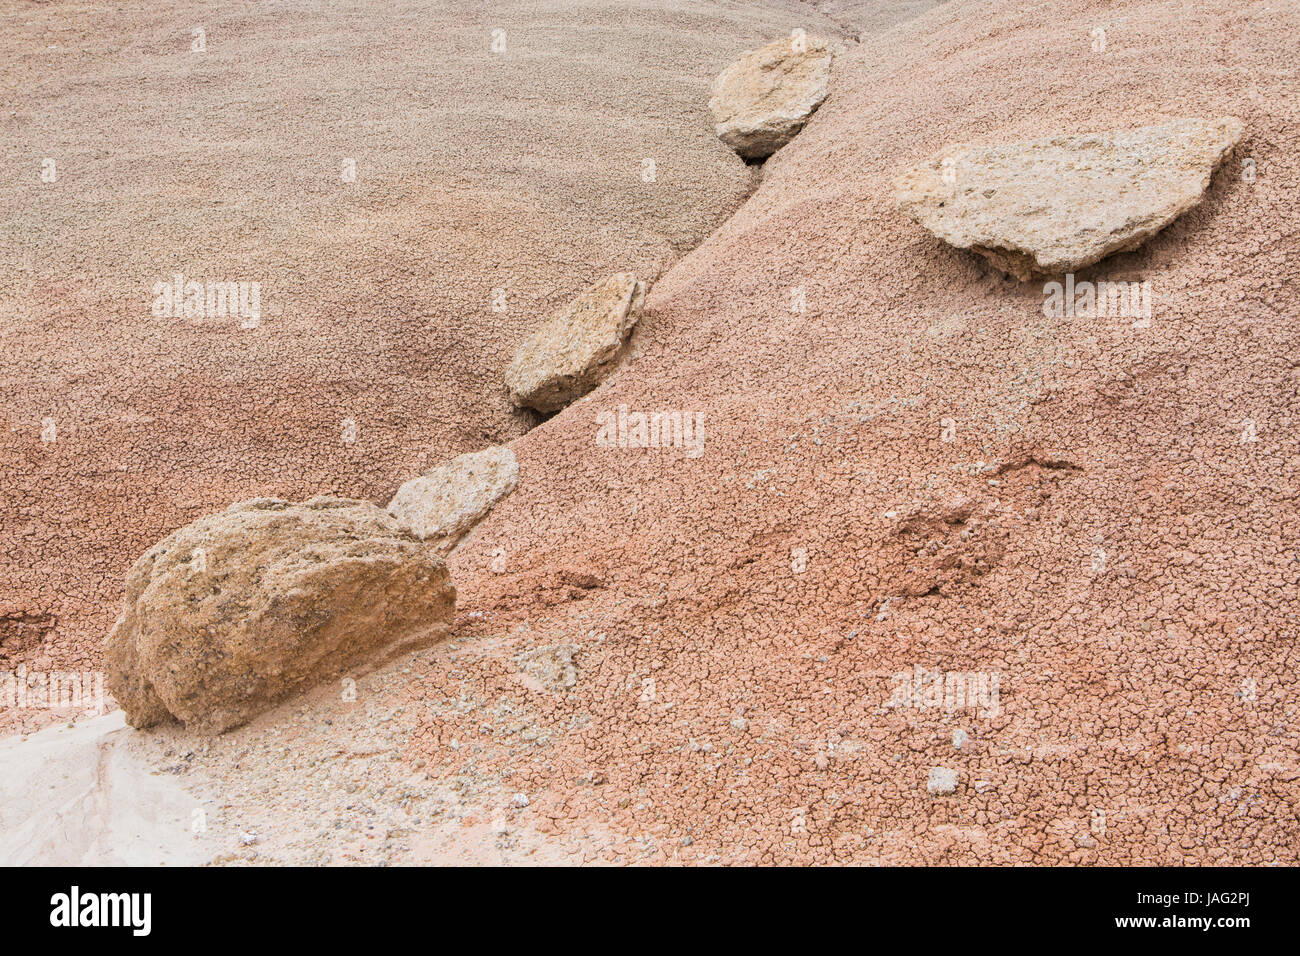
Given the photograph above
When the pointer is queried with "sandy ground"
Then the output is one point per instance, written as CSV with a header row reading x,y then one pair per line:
x,y
692,659
319,781
79,795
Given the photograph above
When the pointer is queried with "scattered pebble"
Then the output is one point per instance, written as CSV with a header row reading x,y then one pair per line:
x,y
942,780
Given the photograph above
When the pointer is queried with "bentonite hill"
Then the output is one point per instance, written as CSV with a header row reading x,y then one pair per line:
x,y
666,431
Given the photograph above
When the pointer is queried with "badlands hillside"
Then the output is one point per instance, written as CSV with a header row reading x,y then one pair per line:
x,y
742,651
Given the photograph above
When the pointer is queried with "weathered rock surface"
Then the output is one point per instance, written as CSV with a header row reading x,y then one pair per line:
x,y
573,350
1057,205
239,610
763,99
868,17
443,504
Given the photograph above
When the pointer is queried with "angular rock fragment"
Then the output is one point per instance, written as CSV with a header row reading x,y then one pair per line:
x,y
942,780
444,503
573,350
239,610
763,99
1057,205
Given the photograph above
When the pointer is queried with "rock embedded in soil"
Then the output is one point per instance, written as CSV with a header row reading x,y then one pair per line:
x,y
443,504
552,667
763,99
575,348
942,780
1057,205
237,611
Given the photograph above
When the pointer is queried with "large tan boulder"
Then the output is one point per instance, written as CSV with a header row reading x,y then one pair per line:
x,y
444,503
575,348
763,99
1056,205
239,610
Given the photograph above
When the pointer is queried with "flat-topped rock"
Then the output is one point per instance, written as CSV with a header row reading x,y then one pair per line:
x,y
444,503
237,611
1056,205
574,349
763,99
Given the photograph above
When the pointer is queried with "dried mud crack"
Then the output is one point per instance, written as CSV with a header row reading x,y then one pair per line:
x,y
862,553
